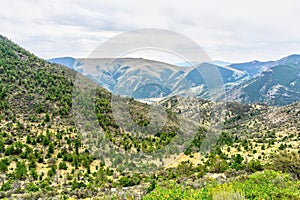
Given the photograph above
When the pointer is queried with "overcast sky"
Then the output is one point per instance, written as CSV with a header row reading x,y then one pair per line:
x,y
227,30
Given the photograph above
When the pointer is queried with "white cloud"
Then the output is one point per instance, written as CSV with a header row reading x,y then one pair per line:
x,y
231,30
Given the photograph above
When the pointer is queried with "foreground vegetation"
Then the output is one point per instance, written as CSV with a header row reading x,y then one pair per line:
x,y
261,185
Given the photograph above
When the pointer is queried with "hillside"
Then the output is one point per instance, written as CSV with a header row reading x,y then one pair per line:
x,y
254,130
42,148
64,136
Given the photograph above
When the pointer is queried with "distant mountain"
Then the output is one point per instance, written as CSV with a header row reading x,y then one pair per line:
x,y
142,78
280,85
191,64
252,68
202,80
132,77
247,82
289,60
185,64
255,67
220,63
66,61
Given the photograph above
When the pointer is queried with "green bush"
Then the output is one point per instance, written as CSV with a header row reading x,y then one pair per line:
x,y
4,164
63,165
126,181
76,184
6,186
175,191
237,162
267,185
287,162
47,117
31,187
2,145
254,165
20,171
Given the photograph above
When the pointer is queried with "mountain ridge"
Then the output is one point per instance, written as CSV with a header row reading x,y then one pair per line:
x,y
144,72
277,86
134,77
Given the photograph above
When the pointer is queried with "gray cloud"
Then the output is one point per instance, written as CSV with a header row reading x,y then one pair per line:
x,y
230,30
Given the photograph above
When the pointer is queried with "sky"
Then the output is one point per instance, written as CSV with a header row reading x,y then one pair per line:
x,y
232,30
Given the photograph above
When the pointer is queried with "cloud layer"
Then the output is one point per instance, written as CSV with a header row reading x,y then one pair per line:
x,y
227,30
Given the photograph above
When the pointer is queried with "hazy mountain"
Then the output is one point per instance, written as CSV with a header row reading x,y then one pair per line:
x,y
256,67
185,64
135,77
280,85
66,61
141,78
220,63
289,60
252,68
191,64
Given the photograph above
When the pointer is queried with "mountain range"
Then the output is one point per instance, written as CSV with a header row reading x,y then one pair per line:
x,y
248,82
137,77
